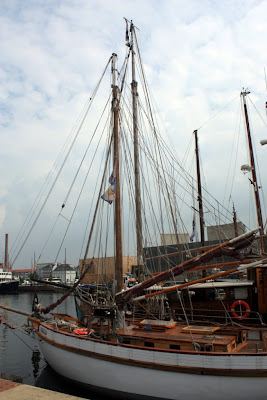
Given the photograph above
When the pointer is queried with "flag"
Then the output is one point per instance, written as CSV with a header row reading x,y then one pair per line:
x,y
193,230
109,194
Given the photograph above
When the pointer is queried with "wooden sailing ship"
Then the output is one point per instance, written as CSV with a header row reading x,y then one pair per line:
x,y
152,357
242,299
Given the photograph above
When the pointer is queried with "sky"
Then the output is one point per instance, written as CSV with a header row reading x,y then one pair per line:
x,y
198,55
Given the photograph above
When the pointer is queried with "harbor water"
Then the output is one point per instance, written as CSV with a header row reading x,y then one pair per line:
x,y
19,354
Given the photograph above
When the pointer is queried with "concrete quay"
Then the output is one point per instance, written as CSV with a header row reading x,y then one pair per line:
x,y
39,288
17,391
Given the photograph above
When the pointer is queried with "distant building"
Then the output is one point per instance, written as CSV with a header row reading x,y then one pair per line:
x,y
103,269
45,270
215,232
22,273
171,238
224,231
158,261
64,272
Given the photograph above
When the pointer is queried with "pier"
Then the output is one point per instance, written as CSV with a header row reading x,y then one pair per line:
x,y
13,391
39,288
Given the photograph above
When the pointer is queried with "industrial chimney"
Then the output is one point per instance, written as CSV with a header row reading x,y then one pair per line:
x,y
6,252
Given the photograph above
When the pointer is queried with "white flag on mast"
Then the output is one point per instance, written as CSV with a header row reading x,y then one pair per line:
x,y
110,194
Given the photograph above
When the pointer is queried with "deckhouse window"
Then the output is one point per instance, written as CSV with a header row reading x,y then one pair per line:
x,y
149,344
174,347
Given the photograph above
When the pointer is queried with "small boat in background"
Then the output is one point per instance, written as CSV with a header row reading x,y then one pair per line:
x,y
7,283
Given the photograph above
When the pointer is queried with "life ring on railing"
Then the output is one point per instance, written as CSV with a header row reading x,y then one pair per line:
x,y
81,331
240,303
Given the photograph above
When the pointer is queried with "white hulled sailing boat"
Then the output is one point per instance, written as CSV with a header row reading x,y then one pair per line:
x,y
154,357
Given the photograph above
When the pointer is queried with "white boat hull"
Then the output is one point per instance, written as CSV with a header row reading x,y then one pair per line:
x,y
139,372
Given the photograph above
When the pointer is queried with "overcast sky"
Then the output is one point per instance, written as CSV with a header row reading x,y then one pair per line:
x,y
197,55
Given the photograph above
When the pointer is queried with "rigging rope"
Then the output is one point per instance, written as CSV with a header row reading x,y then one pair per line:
x,y
64,161
86,177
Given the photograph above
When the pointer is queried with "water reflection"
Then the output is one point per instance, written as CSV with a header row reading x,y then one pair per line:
x,y
36,357
19,354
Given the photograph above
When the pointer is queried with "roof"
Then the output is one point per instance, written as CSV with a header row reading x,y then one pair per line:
x,y
63,267
22,270
55,266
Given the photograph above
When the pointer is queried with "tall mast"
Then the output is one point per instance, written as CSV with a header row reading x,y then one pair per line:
x,y
139,237
116,169
253,171
200,204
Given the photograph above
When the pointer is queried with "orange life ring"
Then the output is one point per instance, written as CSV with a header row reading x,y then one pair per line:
x,y
238,303
81,331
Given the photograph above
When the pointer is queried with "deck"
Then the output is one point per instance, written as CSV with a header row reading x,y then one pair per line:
x,y
169,335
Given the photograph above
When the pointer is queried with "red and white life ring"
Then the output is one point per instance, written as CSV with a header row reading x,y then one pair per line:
x,y
81,331
240,303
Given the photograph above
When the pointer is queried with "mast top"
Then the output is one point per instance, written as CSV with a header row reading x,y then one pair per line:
x,y
244,92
